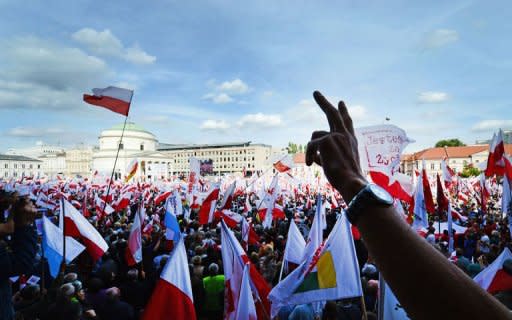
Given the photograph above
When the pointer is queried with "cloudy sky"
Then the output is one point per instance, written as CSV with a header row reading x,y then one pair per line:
x,y
223,71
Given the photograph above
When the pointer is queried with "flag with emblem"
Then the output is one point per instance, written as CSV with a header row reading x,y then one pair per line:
x,y
331,274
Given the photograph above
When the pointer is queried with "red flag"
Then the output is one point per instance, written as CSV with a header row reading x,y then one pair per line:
x,y
495,161
172,297
442,201
133,253
208,206
427,193
112,98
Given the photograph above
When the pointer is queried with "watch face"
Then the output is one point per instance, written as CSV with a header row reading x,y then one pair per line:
x,y
381,194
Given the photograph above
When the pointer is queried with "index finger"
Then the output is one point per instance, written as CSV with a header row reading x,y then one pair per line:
x,y
332,114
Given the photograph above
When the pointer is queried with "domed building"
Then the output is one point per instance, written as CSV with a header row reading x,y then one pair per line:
x,y
137,143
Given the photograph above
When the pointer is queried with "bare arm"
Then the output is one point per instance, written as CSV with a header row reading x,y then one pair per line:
x,y
425,282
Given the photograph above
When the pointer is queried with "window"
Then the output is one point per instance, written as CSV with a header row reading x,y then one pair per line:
x,y
6,166
6,174
141,147
30,166
15,166
432,166
15,174
22,166
38,166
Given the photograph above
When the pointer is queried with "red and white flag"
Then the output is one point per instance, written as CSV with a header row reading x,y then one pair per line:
x,y
495,160
448,173
123,202
284,164
294,250
234,260
102,209
493,278
133,253
112,98
77,226
246,310
131,169
228,197
206,213
172,297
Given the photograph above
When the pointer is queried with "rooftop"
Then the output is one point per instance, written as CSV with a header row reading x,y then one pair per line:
x,y
130,126
450,152
169,147
16,158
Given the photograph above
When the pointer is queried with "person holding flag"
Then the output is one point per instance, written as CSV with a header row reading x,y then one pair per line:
x,y
403,257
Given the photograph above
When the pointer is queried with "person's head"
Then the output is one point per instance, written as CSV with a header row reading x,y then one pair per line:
x,y
196,260
30,292
213,269
23,212
67,291
132,274
95,285
113,294
70,277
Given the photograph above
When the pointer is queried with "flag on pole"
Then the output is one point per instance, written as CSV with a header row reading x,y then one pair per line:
x,y
493,278
332,274
293,251
172,227
133,253
131,169
172,297
389,306
284,164
113,98
52,247
495,161
208,206
420,210
77,226
246,309
427,192
234,260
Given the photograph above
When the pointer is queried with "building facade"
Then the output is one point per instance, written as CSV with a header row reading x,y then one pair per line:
x,y
458,158
137,144
79,161
16,166
228,158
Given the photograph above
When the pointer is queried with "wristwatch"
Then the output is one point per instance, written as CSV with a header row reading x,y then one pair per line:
x,y
370,195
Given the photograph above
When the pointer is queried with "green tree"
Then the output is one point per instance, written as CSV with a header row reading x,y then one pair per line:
x,y
469,171
449,143
292,148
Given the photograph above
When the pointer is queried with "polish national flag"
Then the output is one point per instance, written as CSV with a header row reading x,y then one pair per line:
x,y
112,98
493,278
123,202
172,297
206,213
100,204
284,164
247,206
77,226
133,253
495,161
228,197
448,173
293,251
162,197
234,260
399,185
249,236
246,310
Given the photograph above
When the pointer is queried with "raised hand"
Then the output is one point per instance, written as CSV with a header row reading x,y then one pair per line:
x,y
336,151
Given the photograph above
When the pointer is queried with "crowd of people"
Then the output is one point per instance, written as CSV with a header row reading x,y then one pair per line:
x,y
110,289
428,280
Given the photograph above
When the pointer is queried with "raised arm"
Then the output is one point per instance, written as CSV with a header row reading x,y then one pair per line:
x,y
427,285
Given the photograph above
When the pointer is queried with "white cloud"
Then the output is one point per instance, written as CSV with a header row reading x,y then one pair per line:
x,y
492,125
440,37
218,98
106,43
138,56
267,93
432,97
260,120
31,132
307,111
214,125
37,61
236,86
